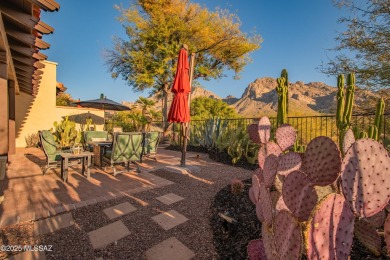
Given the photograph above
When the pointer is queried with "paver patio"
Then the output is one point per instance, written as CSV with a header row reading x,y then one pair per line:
x,y
30,195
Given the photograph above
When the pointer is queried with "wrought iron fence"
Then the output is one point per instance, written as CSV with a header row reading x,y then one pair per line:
x,y
308,127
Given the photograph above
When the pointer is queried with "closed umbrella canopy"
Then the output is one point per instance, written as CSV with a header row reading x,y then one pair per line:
x,y
104,104
179,111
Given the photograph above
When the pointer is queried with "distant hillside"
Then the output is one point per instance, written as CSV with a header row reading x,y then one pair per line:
x,y
260,98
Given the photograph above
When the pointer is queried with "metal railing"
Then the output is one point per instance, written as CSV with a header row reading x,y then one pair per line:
x,y
308,127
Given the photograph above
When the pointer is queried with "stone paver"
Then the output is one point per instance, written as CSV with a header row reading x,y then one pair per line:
x,y
169,219
108,234
169,249
52,224
29,255
119,210
170,198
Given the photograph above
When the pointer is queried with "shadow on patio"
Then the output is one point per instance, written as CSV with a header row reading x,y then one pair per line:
x,y
30,195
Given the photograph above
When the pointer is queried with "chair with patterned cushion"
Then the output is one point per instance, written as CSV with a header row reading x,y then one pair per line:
x,y
51,150
152,139
126,148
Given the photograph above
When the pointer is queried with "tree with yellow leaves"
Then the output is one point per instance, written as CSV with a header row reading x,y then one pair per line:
x,y
156,31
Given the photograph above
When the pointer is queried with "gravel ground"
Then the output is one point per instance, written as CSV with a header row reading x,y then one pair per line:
x,y
197,234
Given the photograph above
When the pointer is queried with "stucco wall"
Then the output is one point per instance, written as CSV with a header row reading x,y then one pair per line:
x,y
39,113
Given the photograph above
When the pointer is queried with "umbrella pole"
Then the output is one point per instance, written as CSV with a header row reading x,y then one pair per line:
x,y
186,126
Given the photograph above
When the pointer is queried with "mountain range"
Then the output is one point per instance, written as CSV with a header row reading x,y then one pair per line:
x,y
260,98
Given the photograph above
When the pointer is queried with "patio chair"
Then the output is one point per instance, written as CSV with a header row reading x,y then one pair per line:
x,y
51,150
90,136
126,148
152,139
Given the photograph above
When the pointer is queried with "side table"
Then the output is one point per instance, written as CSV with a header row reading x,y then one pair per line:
x,y
66,157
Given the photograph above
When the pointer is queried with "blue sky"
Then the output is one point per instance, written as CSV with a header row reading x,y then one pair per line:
x,y
296,36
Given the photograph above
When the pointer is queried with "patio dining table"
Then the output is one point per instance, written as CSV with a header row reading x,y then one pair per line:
x,y
98,150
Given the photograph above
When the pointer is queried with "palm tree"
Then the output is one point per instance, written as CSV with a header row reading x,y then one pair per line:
x,y
145,105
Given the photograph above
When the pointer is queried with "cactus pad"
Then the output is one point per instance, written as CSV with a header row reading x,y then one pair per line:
x,y
286,136
365,181
256,187
386,230
368,236
322,161
264,129
289,162
349,139
256,250
299,195
253,131
266,150
269,242
280,205
288,236
259,211
266,204
378,219
259,174
252,195
330,232
270,168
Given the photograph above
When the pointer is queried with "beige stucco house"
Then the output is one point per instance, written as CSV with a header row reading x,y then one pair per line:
x,y
34,113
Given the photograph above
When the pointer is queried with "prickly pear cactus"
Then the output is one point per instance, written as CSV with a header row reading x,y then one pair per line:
x,y
270,169
269,242
330,232
322,161
266,150
264,129
280,205
252,195
349,139
286,136
386,230
256,250
299,195
256,187
289,162
288,236
368,236
266,204
259,211
365,177
378,219
253,131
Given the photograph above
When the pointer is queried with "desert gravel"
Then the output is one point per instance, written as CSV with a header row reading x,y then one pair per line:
x,y
198,191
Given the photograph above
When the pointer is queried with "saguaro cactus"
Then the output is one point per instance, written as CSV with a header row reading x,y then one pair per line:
x,y
344,104
282,90
374,131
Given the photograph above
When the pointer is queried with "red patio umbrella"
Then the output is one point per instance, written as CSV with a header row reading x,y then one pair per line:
x,y
179,111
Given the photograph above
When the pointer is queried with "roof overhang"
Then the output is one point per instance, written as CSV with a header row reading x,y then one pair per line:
x,y
21,32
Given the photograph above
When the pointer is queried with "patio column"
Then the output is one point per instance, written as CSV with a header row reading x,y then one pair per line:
x,y
3,104
11,120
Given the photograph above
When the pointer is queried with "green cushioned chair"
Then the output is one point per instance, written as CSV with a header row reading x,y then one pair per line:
x,y
51,150
152,139
88,135
126,148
